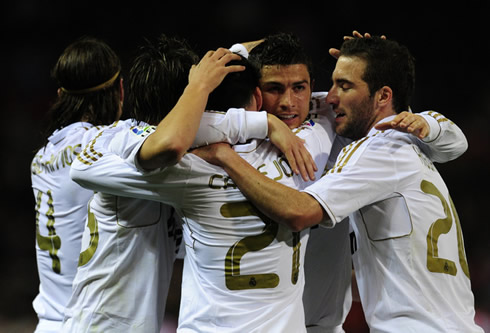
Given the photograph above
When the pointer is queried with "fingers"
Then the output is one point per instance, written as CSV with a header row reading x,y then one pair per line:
x,y
407,122
223,56
383,126
305,165
334,53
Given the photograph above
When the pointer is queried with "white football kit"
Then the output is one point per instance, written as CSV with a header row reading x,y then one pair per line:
x,y
327,296
129,245
242,272
409,254
61,209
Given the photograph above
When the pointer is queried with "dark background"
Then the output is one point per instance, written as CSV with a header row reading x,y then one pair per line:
x,y
449,41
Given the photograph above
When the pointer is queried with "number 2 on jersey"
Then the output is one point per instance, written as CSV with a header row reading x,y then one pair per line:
x,y
236,281
443,226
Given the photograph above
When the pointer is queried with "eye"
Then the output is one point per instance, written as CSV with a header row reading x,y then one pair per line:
x,y
299,88
273,89
345,86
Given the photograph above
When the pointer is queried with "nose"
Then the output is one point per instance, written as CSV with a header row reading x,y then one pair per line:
x,y
287,100
332,97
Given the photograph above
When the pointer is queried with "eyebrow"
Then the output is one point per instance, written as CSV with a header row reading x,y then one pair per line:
x,y
282,84
341,81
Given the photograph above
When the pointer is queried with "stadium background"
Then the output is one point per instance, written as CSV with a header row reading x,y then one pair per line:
x,y
450,43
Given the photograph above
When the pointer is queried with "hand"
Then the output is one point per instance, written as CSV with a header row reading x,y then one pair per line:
x,y
212,69
407,122
215,153
355,34
292,147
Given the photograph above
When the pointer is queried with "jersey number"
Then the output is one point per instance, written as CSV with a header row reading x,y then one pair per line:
x,y
234,280
52,241
93,227
443,226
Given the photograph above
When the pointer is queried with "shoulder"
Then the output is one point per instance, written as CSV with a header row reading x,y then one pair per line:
x,y
369,150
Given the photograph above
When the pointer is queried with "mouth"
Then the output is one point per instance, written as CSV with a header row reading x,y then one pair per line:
x,y
287,116
340,115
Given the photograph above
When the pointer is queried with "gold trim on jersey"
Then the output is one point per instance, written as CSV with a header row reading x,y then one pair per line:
x,y
347,153
88,154
439,117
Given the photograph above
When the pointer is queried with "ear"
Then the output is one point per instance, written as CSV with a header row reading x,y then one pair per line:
x,y
258,98
384,97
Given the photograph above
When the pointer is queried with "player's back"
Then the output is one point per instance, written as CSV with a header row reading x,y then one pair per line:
x,y
61,209
125,267
243,272
126,261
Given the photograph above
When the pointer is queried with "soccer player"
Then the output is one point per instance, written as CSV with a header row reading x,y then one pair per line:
x,y
286,84
90,95
241,273
409,257
130,244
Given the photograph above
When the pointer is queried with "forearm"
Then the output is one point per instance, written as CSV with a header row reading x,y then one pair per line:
x,y
297,210
232,126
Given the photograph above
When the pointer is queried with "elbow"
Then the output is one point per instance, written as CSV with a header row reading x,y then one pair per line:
x,y
296,225
78,177
464,145
168,153
305,214
172,151
75,175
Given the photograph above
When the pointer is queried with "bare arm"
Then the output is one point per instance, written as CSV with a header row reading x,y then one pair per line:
x,y
175,133
295,209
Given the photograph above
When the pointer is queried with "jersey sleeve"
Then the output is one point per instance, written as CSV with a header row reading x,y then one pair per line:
x,y
359,177
445,142
104,165
233,126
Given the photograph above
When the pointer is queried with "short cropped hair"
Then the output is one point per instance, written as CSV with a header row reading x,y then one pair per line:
x,y
281,49
237,88
387,64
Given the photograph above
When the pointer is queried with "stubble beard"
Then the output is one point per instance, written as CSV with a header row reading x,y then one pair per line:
x,y
358,121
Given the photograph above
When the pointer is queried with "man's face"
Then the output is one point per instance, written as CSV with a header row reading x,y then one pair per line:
x,y
350,99
286,92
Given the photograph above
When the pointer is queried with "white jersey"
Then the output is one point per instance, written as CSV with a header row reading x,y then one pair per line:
x,y
409,254
129,245
242,272
61,209
327,296
125,267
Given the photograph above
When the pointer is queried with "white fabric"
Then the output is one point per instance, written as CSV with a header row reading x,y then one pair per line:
x,y
394,196
61,209
222,232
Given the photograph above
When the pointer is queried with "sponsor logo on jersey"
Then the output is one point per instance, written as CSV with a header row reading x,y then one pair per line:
x,y
143,131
